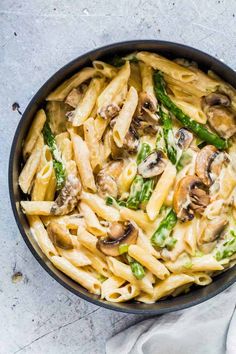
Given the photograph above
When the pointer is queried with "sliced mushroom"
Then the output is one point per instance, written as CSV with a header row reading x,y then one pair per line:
x,y
59,235
131,141
184,138
147,102
220,115
110,247
116,229
209,163
110,111
190,196
107,177
67,199
214,229
153,165
74,97
222,120
144,127
215,99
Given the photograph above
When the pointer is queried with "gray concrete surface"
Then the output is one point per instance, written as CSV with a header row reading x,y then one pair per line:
x,y
37,37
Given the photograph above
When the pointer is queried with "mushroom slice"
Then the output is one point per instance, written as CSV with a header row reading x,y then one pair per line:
x,y
74,97
110,247
214,229
184,138
190,195
116,229
208,164
67,199
215,99
222,120
107,177
131,141
143,127
59,235
148,102
110,111
153,165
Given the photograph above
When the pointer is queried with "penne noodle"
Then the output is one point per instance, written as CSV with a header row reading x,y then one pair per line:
x,y
40,234
148,261
110,285
82,158
114,87
34,133
92,141
31,166
41,182
98,205
124,271
124,117
161,191
167,66
85,106
79,275
77,79
36,207
126,177
123,294
147,81
196,264
92,223
105,69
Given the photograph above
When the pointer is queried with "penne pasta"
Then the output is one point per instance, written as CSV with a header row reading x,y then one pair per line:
x,y
31,166
82,277
77,79
98,205
114,87
92,141
148,261
92,223
40,234
36,207
124,117
122,270
85,106
34,133
161,191
167,66
42,180
82,158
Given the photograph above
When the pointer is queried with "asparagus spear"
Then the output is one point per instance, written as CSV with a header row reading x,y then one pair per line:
x,y
228,248
115,202
185,159
135,192
137,269
197,128
147,190
160,142
57,163
143,152
118,61
161,237
168,136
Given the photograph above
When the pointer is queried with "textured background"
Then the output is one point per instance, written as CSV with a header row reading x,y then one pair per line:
x,y
37,37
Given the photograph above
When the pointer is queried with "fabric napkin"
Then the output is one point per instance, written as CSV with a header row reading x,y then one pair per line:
x,y
208,328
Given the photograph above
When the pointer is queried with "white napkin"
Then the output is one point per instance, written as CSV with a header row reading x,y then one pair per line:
x,y
208,328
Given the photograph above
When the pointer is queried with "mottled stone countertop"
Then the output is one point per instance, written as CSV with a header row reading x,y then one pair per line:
x,y
37,37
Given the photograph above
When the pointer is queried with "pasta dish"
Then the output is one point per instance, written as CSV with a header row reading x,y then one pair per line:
x,y
129,177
